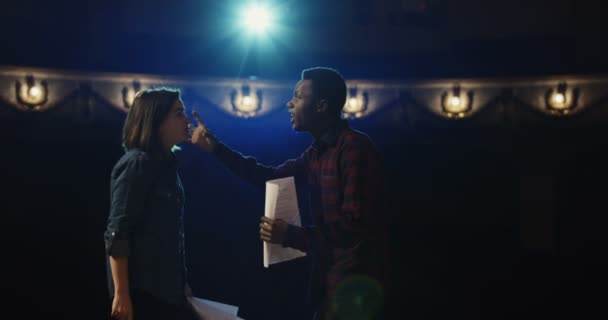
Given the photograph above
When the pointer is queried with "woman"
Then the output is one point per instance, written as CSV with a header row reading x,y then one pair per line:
x,y
145,233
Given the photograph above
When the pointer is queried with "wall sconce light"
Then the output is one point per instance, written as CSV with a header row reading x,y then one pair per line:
x,y
246,104
129,93
456,104
561,101
356,104
32,95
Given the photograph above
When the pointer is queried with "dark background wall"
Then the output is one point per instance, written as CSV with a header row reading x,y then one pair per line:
x,y
489,222
380,39
486,222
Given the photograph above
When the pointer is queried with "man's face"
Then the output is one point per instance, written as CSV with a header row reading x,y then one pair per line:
x,y
302,106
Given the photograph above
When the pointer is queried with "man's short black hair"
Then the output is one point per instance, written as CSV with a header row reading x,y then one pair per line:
x,y
328,84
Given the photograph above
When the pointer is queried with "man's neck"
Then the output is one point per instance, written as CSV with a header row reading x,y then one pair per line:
x,y
323,128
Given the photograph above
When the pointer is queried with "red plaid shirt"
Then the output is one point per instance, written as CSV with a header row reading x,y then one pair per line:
x,y
344,175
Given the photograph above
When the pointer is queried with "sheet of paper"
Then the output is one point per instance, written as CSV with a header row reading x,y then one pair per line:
x,y
212,310
281,203
233,310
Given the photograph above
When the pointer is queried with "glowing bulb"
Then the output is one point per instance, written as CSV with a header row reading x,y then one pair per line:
x,y
35,92
559,98
455,101
257,18
247,104
353,105
456,104
558,101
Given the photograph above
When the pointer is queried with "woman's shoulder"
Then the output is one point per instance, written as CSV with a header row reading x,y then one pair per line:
x,y
135,155
133,158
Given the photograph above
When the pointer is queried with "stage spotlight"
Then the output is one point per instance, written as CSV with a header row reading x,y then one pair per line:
x,y
257,18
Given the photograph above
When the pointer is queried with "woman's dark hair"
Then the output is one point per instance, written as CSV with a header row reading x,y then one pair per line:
x,y
145,116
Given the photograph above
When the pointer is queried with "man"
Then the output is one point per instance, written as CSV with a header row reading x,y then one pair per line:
x,y
343,172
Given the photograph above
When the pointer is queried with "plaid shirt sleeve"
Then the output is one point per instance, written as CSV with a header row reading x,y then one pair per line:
x,y
255,173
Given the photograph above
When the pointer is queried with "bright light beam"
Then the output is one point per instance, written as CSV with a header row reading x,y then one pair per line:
x,y
257,19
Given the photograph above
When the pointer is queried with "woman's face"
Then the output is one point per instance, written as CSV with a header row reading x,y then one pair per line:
x,y
175,128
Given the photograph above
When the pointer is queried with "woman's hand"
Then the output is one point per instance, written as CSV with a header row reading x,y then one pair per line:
x,y
122,308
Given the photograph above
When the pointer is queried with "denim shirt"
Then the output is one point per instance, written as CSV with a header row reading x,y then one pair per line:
x,y
146,224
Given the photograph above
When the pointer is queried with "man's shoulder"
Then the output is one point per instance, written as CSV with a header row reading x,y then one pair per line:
x,y
355,138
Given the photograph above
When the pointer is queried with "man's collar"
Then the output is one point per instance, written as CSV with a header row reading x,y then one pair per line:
x,y
330,137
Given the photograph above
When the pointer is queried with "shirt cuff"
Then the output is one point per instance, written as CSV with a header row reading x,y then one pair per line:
x,y
296,237
116,247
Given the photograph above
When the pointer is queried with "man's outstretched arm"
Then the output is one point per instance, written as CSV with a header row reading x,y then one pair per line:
x,y
244,167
